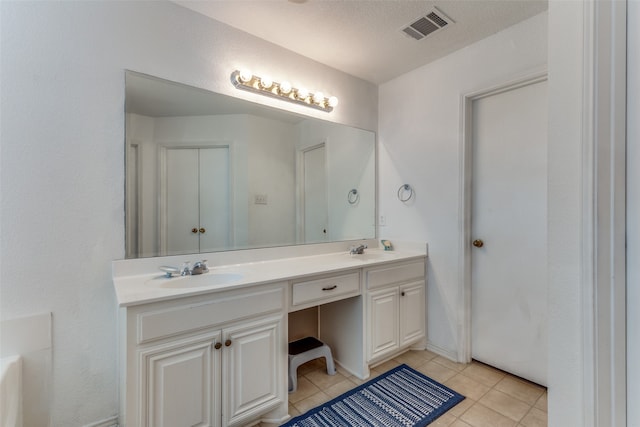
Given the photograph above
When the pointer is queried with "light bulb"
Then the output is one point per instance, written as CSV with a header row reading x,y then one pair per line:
x,y
266,82
303,94
285,88
245,75
333,101
318,97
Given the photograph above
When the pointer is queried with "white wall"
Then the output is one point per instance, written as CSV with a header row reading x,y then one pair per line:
x,y
62,160
271,167
419,135
566,80
633,213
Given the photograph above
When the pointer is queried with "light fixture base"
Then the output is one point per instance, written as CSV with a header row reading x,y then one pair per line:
x,y
274,89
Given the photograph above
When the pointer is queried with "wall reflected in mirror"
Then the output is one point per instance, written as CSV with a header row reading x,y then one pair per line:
x,y
206,172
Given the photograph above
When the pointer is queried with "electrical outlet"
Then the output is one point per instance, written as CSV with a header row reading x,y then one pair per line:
x,y
260,199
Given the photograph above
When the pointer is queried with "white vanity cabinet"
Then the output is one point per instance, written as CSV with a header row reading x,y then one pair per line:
x,y
395,308
213,360
211,350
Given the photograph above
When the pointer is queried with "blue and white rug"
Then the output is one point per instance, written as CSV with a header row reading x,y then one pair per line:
x,y
400,397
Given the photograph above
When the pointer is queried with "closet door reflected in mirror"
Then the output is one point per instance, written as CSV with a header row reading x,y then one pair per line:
x,y
195,205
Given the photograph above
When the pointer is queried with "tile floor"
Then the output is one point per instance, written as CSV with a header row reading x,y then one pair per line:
x,y
493,398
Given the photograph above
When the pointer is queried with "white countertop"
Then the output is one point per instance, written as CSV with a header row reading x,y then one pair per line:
x,y
152,287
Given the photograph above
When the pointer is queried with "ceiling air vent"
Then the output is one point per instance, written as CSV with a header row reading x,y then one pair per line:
x,y
428,24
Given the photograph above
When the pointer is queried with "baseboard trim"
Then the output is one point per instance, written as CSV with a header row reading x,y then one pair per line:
x,y
449,354
107,422
275,421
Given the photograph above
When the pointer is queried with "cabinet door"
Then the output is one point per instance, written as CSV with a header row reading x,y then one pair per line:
x,y
383,322
253,370
180,383
412,312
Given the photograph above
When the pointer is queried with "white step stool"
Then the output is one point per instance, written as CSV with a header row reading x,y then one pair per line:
x,y
303,351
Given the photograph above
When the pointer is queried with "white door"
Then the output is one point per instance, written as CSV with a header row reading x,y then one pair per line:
x,y
198,200
315,195
509,230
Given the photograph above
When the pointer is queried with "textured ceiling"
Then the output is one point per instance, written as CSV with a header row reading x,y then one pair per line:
x,y
364,38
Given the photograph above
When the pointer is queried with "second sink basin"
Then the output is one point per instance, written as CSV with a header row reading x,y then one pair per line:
x,y
201,280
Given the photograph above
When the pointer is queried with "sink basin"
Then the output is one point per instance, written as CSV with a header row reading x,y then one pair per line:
x,y
201,280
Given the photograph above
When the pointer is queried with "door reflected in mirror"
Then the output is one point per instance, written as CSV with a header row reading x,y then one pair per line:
x,y
206,172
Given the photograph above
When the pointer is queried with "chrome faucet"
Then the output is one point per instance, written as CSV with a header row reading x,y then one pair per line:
x,y
199,267
185,270
357,250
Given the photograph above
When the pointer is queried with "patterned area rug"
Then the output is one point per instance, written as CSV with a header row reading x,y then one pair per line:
x,y
400,397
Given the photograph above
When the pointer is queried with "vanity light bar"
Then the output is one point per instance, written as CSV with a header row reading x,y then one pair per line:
x,y
245,80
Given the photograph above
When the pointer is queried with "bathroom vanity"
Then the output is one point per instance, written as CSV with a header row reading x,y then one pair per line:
x,y
211,350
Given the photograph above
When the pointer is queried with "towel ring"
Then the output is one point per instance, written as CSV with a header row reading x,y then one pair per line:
x,y
353,197
403,191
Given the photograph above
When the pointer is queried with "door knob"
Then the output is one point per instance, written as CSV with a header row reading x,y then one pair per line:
x,y
202,230
478,243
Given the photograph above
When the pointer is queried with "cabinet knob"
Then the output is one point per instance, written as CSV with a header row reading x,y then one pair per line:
x,y
478,243
202,230
218,346
194,230
402,293
227,343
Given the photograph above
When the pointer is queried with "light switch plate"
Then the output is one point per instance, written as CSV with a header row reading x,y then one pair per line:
x,y
260,199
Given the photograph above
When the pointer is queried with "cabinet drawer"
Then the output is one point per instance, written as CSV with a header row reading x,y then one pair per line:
x,y
179,319
314,292
396,273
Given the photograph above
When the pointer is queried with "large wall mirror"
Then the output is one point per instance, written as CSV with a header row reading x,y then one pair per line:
x,y
207,172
